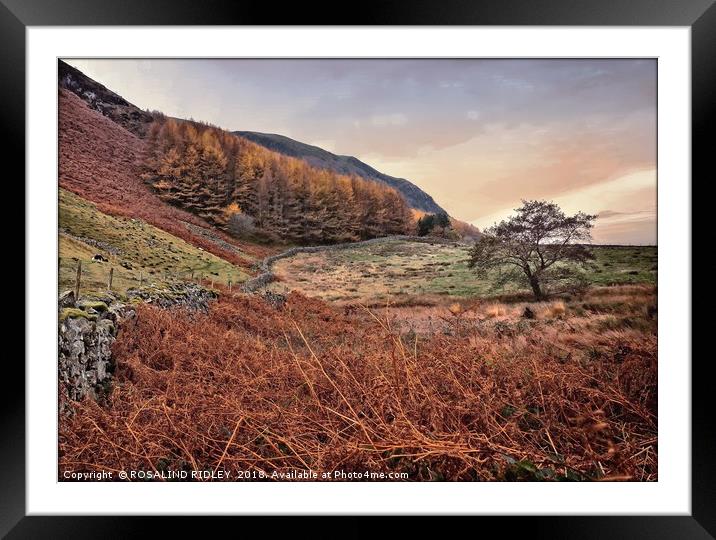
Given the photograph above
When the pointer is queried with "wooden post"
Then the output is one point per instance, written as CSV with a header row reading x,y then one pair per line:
x,y
77,280
141,278
229,284
212,283
192,275
109,283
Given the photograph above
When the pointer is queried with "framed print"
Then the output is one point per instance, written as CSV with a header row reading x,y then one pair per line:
x,y
431,263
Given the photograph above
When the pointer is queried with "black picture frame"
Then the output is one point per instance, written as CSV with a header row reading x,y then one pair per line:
x,y
700,15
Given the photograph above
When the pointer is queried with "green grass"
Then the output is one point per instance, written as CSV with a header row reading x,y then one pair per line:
x,y
150,252
618,265
397,269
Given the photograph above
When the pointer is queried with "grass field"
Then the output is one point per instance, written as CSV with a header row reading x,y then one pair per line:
x,y
400,270
140,247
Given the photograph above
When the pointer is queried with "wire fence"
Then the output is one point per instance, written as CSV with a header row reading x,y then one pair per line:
x,y
100,277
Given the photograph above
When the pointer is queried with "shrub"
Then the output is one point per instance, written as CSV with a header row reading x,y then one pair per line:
x,y
241,226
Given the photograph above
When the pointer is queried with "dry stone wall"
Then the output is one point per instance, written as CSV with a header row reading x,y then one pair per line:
x,y
87,330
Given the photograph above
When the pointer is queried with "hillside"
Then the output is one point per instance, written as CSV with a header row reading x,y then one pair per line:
x,y
246,189
127,160
283,190
132,247
348,165
98,160
103,100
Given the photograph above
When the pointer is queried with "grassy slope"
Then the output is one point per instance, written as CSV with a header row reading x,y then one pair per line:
x,y
395,269
147,249
98,160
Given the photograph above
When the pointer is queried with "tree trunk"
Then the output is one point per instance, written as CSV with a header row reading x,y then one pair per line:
x,y
536,289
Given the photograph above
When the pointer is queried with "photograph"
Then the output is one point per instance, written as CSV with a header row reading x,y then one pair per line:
x,y
357,269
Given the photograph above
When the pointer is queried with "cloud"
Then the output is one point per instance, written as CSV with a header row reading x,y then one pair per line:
x,y
632,197
625,216
451,84
395,119
608,213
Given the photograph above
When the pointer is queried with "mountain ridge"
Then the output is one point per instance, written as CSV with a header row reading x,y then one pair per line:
x,y
343,164
137,121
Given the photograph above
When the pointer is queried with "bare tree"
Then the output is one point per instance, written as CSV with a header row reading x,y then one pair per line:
x,y
241,225
537,246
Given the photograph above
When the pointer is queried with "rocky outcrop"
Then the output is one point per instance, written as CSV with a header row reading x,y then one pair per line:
x,y
103,100
87,330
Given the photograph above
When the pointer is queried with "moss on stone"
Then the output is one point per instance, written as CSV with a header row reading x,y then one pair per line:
x,y
109,325
75,313
97,305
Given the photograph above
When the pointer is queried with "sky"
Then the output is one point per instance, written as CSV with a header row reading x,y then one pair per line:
x,y
479,135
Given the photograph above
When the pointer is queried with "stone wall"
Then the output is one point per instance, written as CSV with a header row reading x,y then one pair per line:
x,y
87,330
189,296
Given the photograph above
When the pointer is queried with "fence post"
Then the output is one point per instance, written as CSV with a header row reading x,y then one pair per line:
x,y
229,285
212,283
77,280
109,283
192,275
141,278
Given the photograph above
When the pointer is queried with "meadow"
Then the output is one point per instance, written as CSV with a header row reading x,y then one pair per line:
x,y
401,271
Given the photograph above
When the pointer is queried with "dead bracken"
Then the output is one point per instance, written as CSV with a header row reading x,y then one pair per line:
x,y
309,386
